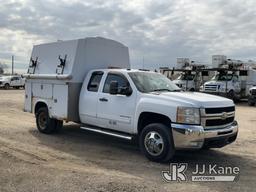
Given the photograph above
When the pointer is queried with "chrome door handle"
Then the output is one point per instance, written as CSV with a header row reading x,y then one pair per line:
x,y
103,99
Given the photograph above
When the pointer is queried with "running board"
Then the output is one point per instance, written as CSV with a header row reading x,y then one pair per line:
x,y
108,132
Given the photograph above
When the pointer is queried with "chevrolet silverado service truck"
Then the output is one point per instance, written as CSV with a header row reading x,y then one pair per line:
x,y
72,81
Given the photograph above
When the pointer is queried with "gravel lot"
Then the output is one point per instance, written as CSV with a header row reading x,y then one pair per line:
x,y
77,160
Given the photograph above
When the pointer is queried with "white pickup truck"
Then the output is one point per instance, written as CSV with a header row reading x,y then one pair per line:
x,y
12,81
124,103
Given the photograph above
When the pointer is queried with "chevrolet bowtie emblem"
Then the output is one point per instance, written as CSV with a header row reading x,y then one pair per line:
x,y
224,116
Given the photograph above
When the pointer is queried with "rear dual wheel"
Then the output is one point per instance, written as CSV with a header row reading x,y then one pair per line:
x,y
45,124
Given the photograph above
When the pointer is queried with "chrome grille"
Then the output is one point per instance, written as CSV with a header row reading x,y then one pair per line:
x,y
217,118
253,92
210,88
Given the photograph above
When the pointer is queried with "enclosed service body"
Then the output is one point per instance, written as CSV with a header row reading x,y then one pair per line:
x,y
57,70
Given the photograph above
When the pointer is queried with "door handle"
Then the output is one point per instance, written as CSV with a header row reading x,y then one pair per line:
x,y
103,99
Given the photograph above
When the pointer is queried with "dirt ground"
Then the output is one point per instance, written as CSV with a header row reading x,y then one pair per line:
x,y
78,160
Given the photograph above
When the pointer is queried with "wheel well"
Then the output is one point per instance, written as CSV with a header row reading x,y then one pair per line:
x,y
147,118
39,105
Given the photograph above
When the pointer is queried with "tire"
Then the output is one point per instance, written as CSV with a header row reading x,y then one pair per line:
x,y
231,95
250,102
59,125
17,87
150,135
192,90
45,124
7,86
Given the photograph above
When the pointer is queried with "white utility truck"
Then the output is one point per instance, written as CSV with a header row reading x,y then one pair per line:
x,y
188,75
12,81
72,81
233,78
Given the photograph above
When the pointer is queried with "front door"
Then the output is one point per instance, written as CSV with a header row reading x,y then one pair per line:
x,y
116,111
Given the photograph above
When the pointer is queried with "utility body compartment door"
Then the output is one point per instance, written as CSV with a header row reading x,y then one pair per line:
x,y
28,97
42,90
60,101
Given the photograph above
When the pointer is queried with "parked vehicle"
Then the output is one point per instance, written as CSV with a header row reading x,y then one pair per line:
x,y
252,96
233,78
188,75
72,81
7,82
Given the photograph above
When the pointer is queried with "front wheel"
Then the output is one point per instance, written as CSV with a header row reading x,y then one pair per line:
x,y
251,102
6,86
156,142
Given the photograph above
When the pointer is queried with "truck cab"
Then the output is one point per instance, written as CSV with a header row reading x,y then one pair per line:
x,y
224,84
186,81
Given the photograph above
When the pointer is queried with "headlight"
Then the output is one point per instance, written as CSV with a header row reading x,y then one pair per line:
x,y
188,115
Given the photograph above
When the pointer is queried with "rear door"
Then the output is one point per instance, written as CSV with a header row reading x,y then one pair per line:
x,y
89,99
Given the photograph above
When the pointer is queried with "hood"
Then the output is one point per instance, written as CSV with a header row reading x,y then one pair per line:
x,y
214,82
193,99
178,81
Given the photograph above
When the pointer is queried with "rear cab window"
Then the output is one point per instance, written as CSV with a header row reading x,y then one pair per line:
x,y
94,82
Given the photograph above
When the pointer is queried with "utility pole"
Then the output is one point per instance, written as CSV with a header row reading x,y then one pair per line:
x,y
143,62
12,64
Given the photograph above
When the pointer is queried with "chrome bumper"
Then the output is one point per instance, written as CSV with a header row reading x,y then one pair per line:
x,y
195,136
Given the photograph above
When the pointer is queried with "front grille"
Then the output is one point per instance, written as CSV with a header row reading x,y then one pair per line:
x,y
253,92
210,88
217,117
219,110
218,122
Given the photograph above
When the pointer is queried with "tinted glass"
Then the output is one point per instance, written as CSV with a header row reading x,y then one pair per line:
x,y
151,82
122,82
94,82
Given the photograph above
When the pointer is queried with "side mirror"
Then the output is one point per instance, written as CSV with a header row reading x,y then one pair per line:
x,y
128,91
113,88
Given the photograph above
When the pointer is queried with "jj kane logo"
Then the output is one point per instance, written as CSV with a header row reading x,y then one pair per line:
x,y
179,172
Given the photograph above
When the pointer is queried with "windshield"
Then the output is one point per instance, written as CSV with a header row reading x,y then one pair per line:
x,y
186,77
149,82
227,77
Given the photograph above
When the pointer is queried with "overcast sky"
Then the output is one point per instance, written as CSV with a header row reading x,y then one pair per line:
x,y
159,31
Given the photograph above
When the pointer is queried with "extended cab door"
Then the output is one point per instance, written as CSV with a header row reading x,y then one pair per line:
x,y
116,111
89,99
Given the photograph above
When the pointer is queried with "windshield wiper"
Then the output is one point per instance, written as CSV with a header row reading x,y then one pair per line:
x,y
175,90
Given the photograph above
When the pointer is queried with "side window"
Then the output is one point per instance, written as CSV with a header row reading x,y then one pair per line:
x,y
122,82
235,78
94,82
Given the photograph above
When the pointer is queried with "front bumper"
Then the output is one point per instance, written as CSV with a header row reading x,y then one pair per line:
x,y
196,137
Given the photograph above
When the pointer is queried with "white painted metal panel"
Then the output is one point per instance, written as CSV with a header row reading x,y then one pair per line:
x,y
60,101
42,90
28,97
82,55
